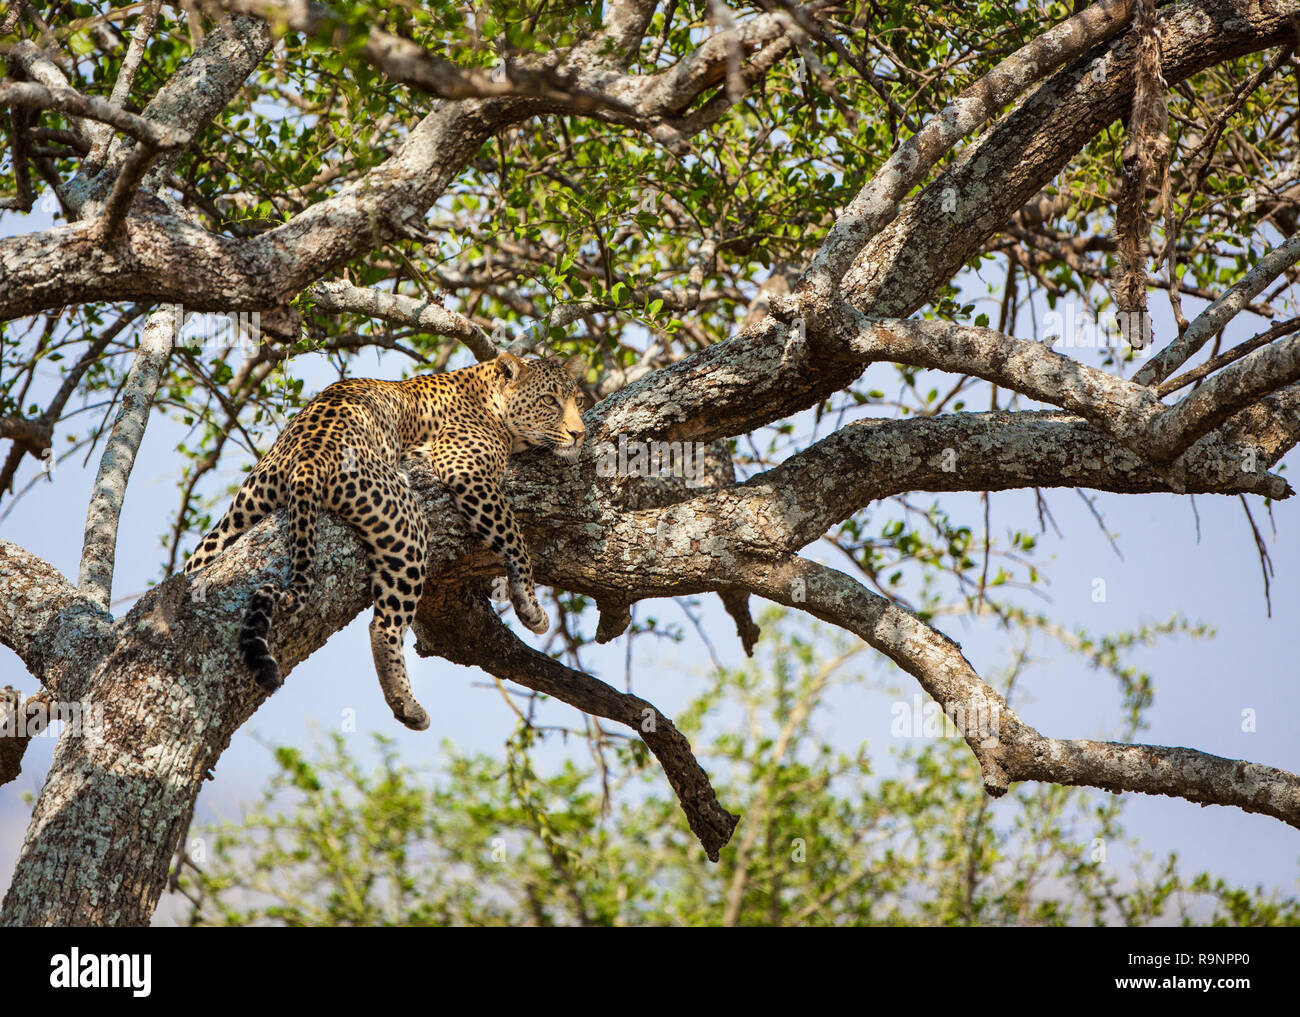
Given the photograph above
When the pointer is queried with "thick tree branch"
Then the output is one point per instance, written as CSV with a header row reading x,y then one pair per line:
x,y
1157,770
34,436
870,460
1282,328
671,92
1114,404
56,630
68,263
625,25
877,203
933,659
19,723
1232,389
99,548
765,373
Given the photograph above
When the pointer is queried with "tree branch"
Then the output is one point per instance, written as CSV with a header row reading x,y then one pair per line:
x,y
426,315
1008,749
99,548
41,69
869,460
1232,389
763,373
877,203
34,436
1210,321
19,723
144,27
68,100
625,25
125,188
458,623
56,630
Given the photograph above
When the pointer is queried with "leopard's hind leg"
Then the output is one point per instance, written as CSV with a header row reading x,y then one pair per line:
x,y
304,491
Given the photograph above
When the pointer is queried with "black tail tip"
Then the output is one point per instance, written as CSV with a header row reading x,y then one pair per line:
x,y
258,659
266,673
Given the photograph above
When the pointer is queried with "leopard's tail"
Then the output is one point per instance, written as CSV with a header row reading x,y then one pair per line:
x,y
253,638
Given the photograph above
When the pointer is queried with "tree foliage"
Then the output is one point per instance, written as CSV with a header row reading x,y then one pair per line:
x,y
487,840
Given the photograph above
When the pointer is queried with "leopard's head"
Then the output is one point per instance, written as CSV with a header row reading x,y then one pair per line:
x,y
543,404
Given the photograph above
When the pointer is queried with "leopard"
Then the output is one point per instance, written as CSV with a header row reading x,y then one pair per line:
x,y
352,449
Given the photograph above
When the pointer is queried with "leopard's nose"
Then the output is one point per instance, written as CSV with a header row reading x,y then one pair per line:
x,y
578,435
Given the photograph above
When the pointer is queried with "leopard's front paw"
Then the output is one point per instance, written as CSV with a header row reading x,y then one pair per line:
x,y
412,714
528,611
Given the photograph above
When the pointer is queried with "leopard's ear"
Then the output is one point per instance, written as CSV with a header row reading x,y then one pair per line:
x,y
576,365
509,367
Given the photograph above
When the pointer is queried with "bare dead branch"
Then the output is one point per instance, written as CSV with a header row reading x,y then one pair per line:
x,y
1261,548
736,603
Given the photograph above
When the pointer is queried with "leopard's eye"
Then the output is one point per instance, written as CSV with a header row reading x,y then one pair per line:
x,y
555,401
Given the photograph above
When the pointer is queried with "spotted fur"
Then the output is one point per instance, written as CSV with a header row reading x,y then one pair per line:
x,y
344,452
